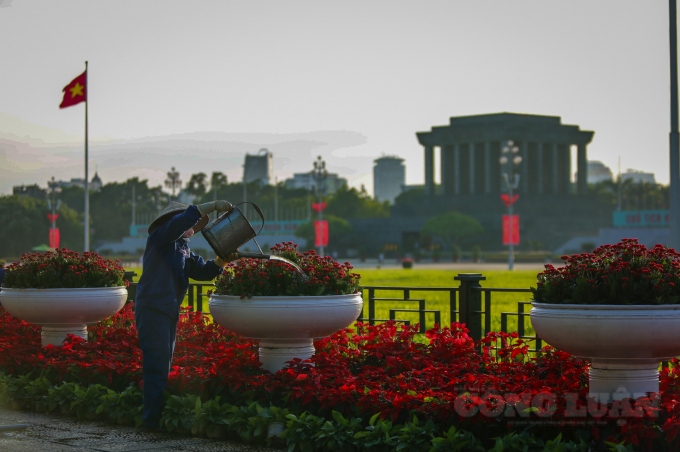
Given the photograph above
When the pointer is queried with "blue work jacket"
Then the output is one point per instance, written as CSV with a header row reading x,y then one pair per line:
x,y
169,263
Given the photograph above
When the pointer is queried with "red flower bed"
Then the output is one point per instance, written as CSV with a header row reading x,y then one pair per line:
x,y
63,268
624,273
366,370
272,277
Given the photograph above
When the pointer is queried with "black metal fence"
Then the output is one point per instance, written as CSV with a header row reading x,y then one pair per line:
x,y
469,303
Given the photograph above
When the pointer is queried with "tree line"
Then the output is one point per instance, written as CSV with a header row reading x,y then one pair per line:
x,y
25,222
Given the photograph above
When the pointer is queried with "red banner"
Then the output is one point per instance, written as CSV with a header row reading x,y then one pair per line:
x,y
321,230
54,238
52,217
510,229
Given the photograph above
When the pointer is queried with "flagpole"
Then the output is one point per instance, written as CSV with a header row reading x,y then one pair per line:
x,y
87,191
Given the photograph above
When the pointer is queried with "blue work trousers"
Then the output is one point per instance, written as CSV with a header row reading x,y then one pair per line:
x,y
156,330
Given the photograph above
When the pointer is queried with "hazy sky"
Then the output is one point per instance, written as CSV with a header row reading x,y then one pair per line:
x,y
349,80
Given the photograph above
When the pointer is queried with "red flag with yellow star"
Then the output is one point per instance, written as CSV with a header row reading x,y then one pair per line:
x,y
75,92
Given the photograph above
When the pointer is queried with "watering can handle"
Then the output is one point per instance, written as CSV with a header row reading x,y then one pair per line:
x,y
259,212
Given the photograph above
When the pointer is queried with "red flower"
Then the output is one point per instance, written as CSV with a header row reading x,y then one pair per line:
x,y
271,277
63,269
624,273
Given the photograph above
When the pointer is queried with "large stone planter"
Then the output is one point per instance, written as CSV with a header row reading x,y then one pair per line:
x,y
285,326
63,311
624,343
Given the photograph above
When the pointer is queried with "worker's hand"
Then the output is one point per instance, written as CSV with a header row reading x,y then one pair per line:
x,y
223,206
222,262
210,207
206,208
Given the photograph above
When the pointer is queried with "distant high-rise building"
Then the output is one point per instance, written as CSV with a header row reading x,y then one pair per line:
x,y
331,183
94,185
259,167
389,177
32,191
638,177
598,172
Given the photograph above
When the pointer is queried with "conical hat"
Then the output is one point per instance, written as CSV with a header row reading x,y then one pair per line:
x,y
170,211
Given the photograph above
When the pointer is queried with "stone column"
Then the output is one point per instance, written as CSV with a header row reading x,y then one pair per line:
x,y
566,170
471,165
555,174
539,167
447,170
524,182
582,168
487,167
456,166
429,170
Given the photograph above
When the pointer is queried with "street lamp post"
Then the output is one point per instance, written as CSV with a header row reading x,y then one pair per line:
x,y
674,137
510,158
53,204
319,173
173,182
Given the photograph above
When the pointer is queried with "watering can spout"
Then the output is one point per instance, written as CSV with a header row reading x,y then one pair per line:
x,y
273,257
242,255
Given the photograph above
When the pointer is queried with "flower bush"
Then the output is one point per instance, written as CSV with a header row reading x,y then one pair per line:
x,y
271,277
625,273
63,269
375,387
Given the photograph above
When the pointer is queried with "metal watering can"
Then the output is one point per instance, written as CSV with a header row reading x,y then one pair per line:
x,y
231,230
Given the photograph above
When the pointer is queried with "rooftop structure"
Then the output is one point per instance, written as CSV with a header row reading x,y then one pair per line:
x,y
259,167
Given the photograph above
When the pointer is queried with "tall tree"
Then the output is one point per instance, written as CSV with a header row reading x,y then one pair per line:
x,y
112,208
197,185
452,228
218,185
413,196
353,203
74,197
217,180
632,195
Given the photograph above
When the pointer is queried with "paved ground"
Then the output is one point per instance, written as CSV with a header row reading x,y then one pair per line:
x,y
22,431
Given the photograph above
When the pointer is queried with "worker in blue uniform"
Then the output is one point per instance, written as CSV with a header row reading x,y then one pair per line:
x,y
168,263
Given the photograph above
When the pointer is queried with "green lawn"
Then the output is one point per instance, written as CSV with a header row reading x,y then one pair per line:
x,y
501,302
423,277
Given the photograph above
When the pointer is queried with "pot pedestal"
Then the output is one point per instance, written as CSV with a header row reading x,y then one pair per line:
x,y
609,381
274,354
285,326
56,335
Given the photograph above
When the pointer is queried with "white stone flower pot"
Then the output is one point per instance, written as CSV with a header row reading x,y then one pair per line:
x,y
285,326
63,311
624,343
